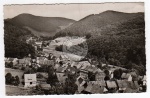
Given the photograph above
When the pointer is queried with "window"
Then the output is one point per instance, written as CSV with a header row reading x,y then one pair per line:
x,y
30,83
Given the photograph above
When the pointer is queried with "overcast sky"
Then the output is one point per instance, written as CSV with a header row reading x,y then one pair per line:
x,y
72,11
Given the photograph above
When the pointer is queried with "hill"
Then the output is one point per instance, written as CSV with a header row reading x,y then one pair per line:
x,y
99,24
41,26
116,38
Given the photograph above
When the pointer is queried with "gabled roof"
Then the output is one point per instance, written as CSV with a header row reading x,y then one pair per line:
x,y
111,84
61,69
99,83
21,61
133,85
84,64
80,80
41,58
45,86
94,88
99,70
71,69
24,61
89,87
11,59
61,77
91,69
122,83
129,90
64,57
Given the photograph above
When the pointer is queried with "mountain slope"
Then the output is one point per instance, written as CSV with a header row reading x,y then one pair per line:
x,y
117,38
14,40
99,24
49,25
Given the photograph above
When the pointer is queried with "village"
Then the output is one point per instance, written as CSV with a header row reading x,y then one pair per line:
x,y
47,71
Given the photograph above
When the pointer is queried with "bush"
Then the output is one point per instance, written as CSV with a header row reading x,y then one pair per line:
x,y
8,78
59,48
88,36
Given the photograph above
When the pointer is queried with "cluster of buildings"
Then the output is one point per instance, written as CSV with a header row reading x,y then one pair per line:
x,y
89,78
87,83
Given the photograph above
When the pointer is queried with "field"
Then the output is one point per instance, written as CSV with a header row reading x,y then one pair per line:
x,y
14,90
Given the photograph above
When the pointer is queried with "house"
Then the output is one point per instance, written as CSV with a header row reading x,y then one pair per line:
x,y
51,56
81,83
30,80
122,85
64,57
84,74
39,43
24,61
45,86
90,68
57,60
100,83
61,69
111,86
132,87
96,88
100,75
61,75
46,62
13,60
134,76
84,64
77,65
56,66
144,80
126,76
39,59
71,70
46,55
42,74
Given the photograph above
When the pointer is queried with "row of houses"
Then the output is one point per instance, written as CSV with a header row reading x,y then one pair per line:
x,y
119,86
125,85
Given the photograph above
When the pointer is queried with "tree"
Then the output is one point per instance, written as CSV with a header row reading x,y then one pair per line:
x,y
91,76
106,72
88,36
107,78
8,78
52,77
17,80
59,48
117,73
70,86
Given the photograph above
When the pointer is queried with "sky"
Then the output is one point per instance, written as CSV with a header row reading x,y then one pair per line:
x,y
71,11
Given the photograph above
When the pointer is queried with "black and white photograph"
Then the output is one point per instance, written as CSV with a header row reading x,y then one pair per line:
x,y
74,48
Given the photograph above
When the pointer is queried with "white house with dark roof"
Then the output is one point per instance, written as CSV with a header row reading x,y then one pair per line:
x,y
30,80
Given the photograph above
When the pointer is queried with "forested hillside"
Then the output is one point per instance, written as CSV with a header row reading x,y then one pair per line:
x,y
107,22
14,40
114,37
41,26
